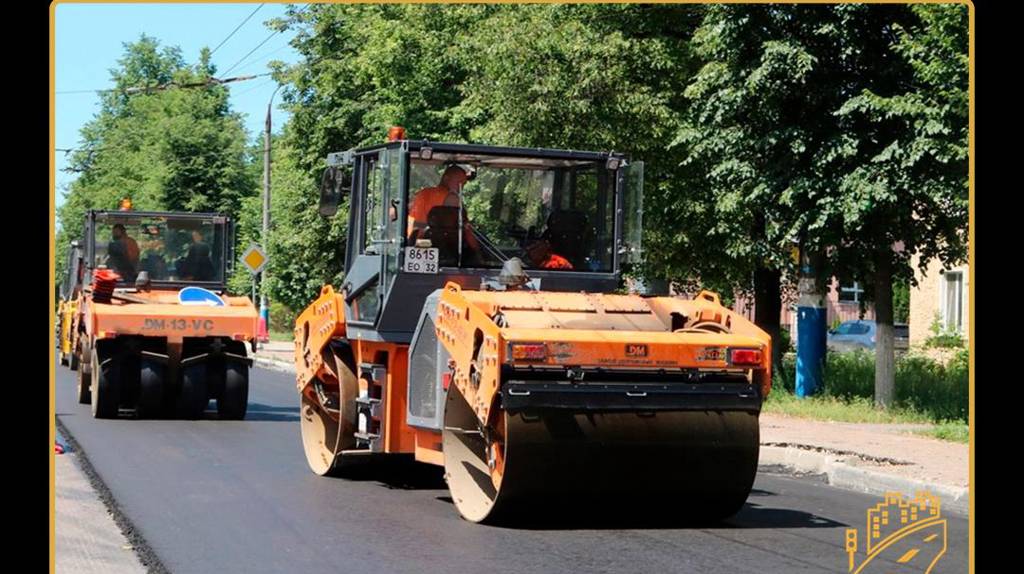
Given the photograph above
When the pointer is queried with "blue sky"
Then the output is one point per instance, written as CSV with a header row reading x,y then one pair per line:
x,y
90,38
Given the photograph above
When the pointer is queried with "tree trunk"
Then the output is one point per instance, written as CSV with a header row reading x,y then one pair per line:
x,y
885,353
768,310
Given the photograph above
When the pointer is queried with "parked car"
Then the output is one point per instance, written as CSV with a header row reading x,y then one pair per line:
x,y
854,335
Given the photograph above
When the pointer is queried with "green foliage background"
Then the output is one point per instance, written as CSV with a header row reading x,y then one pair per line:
x,y
841,126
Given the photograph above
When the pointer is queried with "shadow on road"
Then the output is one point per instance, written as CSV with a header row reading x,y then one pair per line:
x,y
395,472
756,516
256,413
594,518
261,412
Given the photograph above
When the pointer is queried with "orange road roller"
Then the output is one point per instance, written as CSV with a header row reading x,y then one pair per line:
x,y
479,327
145,320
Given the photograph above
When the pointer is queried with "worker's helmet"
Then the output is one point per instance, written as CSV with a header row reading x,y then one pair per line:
x,y
125,205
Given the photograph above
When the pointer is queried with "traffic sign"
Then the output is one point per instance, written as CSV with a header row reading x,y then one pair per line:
x,y
255,259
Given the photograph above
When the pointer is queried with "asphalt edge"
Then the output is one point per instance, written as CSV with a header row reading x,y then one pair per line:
x,y
145,553
842,471
839,469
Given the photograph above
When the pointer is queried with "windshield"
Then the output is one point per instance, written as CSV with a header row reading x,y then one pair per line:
x,y
168,248
853,328
552,214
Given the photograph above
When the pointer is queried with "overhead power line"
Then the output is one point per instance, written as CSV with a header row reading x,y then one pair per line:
x,y
237,28
155,88
254,88
265,40
257,57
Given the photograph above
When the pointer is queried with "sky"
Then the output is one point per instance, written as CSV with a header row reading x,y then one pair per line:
x,y
90,39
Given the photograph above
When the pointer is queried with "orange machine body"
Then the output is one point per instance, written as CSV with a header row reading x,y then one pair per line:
x,y
135,345
162,316
576,330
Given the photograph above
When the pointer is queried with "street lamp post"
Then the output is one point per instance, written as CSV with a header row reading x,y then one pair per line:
x,y
264,300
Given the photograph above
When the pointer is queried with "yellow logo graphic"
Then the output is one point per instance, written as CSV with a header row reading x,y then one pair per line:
x,y
899,532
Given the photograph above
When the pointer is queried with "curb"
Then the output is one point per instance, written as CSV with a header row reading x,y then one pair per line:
x,y
842,471
274,364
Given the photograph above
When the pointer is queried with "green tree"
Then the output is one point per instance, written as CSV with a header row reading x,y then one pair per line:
x,y
906,192
167,149
595,77
759,112
306,251
843,126
365,68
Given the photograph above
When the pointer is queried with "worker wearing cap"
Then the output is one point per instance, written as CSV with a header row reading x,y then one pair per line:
x,y
539,252
446,193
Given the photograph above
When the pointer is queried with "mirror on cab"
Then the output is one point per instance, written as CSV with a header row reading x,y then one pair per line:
x,y
335,182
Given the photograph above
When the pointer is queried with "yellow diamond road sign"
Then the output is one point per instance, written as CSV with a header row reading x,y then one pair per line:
x,y
254,259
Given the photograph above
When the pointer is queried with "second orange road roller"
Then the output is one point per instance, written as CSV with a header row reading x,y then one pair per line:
x,y
145,318
480,327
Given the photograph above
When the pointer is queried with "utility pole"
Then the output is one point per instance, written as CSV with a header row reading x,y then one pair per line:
x,y
264,300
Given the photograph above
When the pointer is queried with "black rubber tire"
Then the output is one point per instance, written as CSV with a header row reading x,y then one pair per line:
x,y
152,387
234,399
106,392
73,360
84,385
194,396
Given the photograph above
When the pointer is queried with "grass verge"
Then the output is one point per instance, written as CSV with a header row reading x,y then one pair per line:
x,y
826,408
281,336
952,431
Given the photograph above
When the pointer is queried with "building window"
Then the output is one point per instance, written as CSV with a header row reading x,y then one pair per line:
x,y
952,294
851,293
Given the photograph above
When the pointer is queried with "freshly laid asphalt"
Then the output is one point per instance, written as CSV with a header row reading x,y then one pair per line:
x,y
237,496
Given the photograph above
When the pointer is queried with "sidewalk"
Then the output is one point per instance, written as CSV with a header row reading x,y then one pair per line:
x,y
873,458
869,457
277,355
87,539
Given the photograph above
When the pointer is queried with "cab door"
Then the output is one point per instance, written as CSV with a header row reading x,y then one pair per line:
x,y
374,234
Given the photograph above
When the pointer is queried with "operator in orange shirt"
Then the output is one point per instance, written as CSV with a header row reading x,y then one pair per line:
x,y
123,252
445,193
540,254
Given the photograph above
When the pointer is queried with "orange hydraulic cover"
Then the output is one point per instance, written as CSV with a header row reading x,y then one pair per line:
x,y
481,330
162,316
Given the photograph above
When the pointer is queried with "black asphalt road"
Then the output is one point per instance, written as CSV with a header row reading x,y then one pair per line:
x,y
237,496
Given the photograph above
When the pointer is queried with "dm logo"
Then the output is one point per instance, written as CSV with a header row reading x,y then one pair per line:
x,y
633,350
900,532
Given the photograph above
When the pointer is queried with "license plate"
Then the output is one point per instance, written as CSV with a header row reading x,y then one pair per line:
x,y
420,260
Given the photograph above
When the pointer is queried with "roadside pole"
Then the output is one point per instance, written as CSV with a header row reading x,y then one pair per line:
x,y
264,334
811,326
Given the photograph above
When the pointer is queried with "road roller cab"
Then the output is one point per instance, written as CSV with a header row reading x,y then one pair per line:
x,y
156,332
479,327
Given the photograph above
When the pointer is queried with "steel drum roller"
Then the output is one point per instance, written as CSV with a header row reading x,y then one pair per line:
x,y
695,464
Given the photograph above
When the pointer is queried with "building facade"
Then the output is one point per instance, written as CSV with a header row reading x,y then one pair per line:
x,y
941,297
